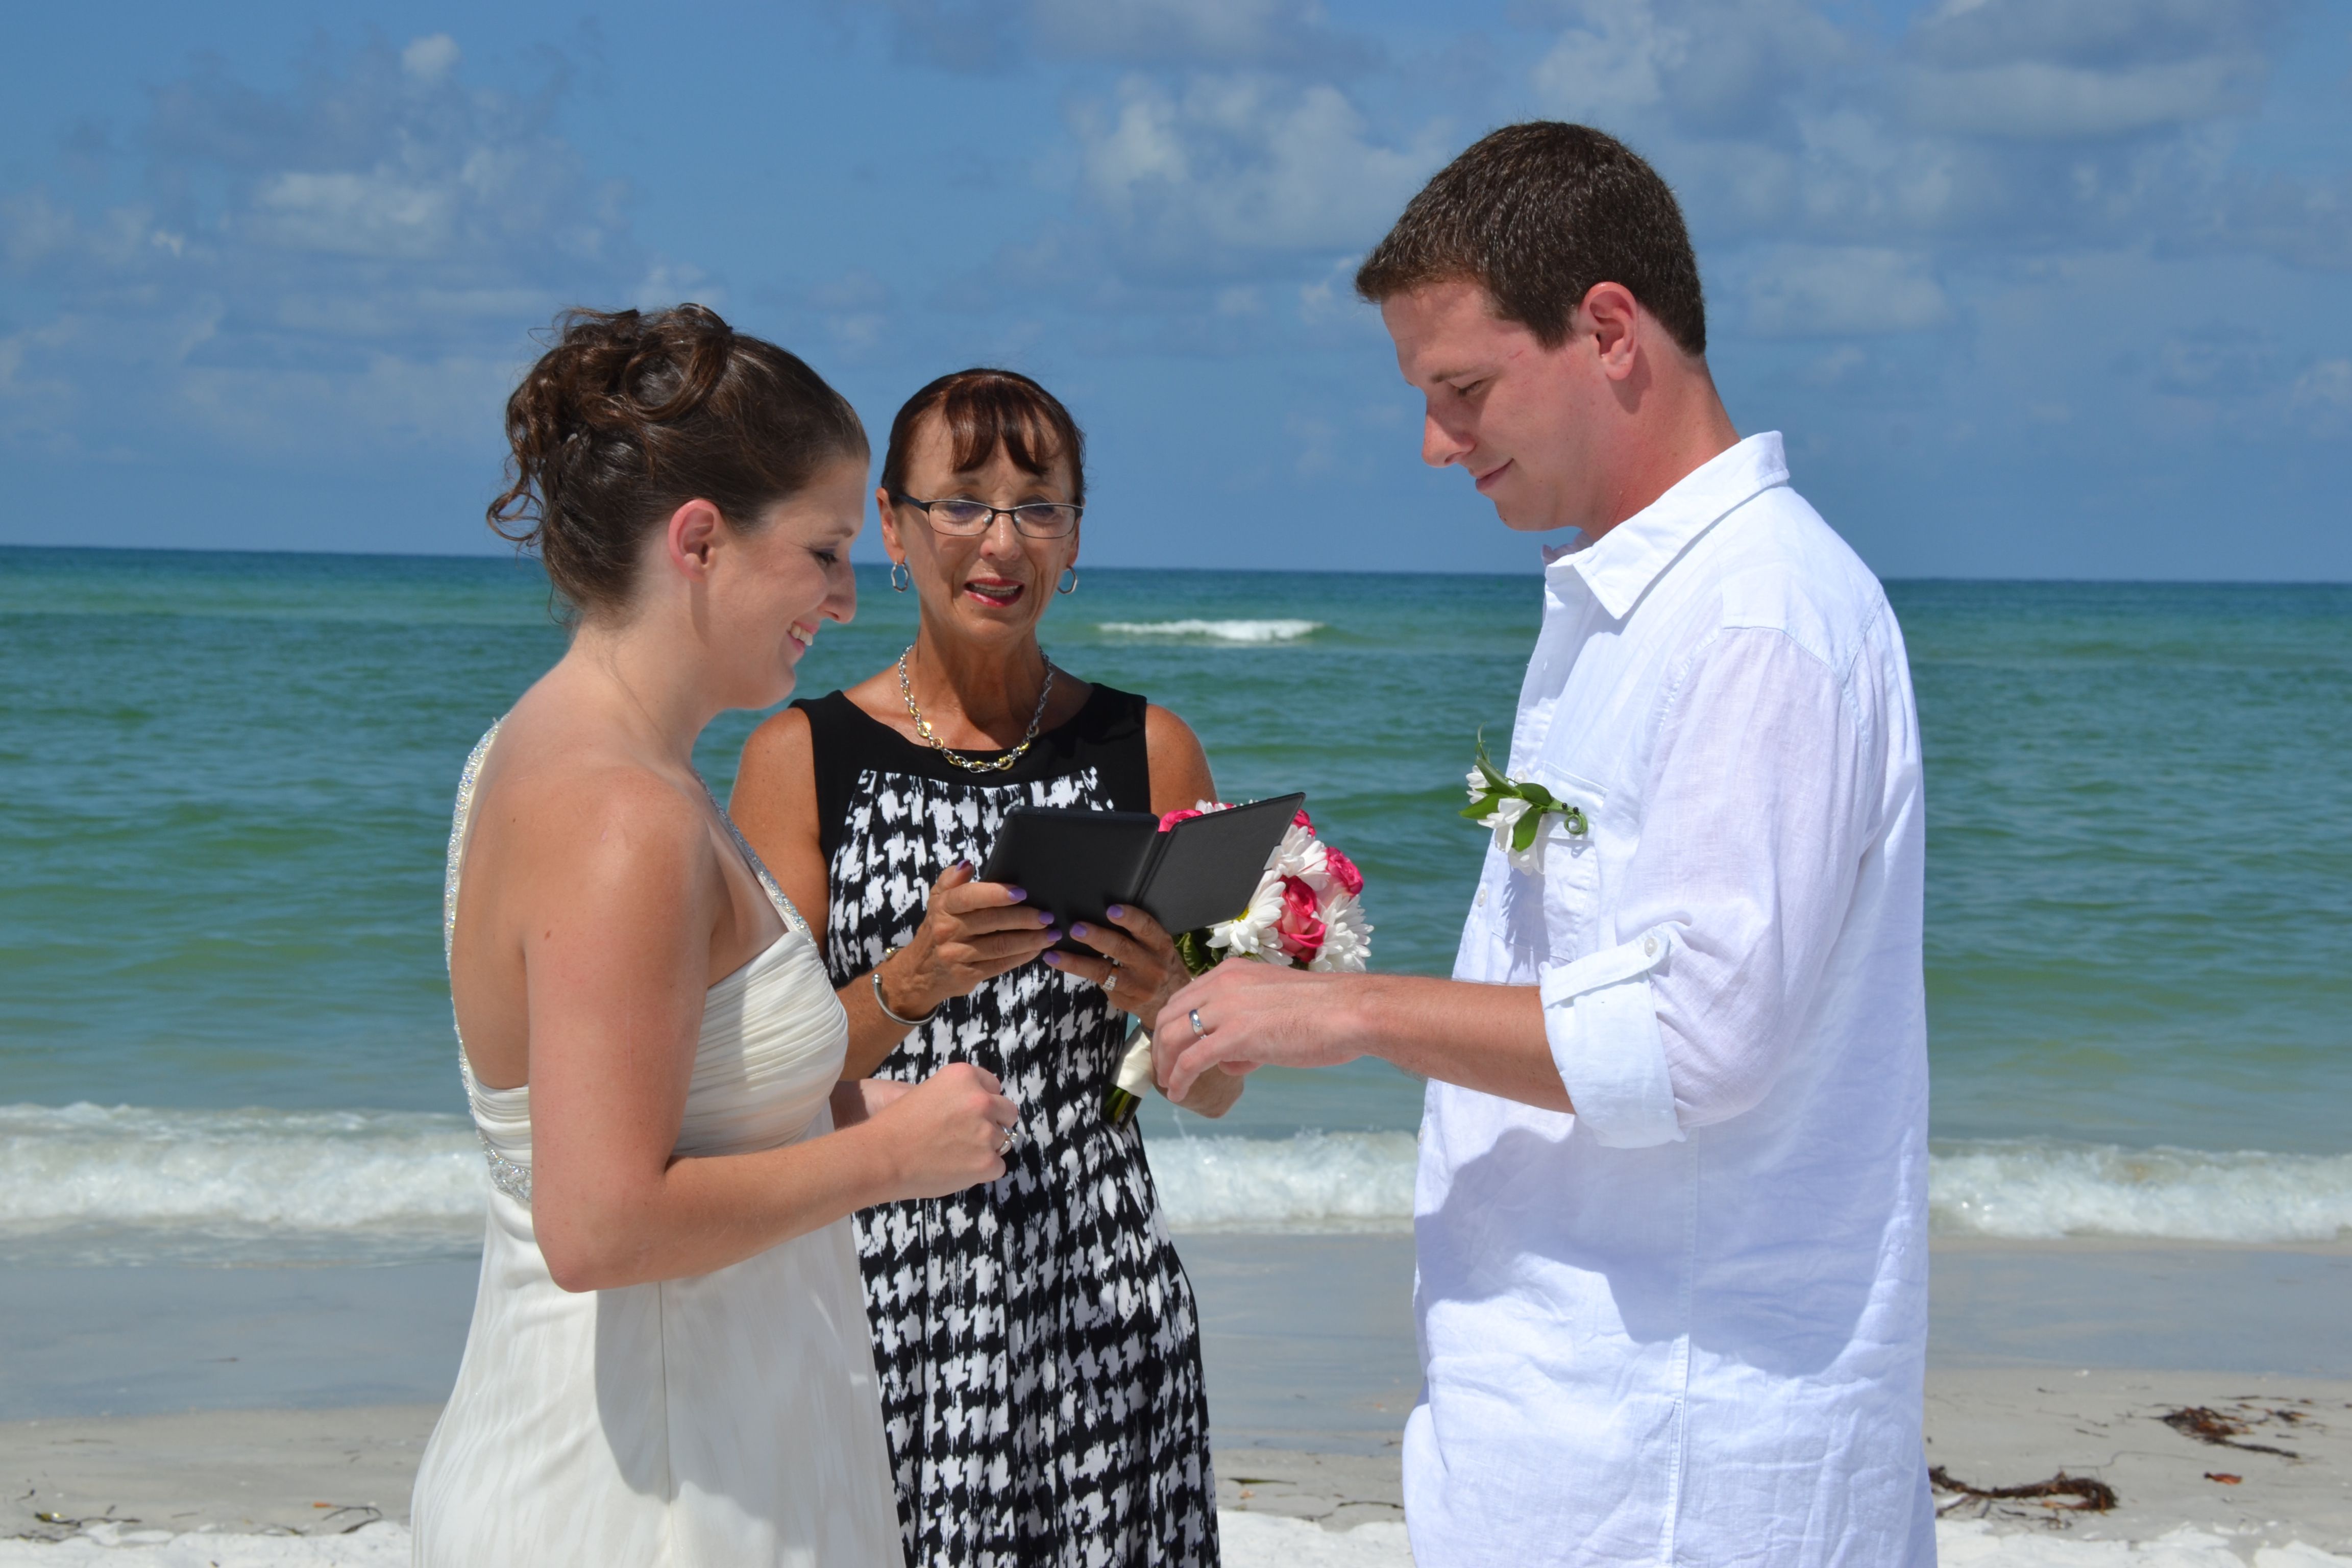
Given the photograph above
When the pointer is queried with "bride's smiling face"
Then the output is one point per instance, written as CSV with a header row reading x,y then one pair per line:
x,y
989,588
771,587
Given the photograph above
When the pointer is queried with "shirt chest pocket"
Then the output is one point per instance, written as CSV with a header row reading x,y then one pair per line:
x,y
1552,913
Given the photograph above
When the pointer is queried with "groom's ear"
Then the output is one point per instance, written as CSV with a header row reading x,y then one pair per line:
x,y
690,538
1610,320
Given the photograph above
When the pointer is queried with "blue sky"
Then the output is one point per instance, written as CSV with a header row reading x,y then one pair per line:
x,y
2035,288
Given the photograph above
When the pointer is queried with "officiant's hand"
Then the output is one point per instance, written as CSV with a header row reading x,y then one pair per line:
x,y
971,930
1138,969
1251,1014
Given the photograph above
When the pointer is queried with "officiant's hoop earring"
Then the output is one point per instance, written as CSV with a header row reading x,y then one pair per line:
x,y
1069,582
901,575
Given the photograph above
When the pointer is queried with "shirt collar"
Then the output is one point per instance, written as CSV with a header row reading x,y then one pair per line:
x,y
1619,567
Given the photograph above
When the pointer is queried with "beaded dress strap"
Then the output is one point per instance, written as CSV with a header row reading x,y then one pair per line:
x,y
759,868
512,1179
460,821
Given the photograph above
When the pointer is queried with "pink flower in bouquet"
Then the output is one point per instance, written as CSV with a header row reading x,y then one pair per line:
x,y
1173,817
1343,872
1299,930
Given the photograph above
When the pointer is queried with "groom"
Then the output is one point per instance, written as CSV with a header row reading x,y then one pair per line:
x,y
1671,1217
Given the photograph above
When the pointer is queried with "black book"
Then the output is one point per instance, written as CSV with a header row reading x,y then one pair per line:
x,y
1079,863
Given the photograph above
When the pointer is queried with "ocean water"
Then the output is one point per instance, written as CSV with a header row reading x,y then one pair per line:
x,y
225,786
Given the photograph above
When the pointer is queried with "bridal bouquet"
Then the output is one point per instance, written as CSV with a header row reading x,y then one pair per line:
x,y
1306,914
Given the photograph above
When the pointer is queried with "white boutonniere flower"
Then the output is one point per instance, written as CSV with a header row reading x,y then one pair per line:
x,y
1517,812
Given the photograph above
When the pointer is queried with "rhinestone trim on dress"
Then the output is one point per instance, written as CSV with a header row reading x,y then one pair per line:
x,y
505,1175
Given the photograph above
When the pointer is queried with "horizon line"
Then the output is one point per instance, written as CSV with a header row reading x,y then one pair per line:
x,y
521,559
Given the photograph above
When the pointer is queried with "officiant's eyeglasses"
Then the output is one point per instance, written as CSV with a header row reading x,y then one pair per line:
x,y
969,519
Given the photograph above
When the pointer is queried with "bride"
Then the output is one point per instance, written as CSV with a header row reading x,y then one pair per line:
x,y
669,1361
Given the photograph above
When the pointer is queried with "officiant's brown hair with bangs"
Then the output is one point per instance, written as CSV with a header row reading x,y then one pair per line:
x,y
985,409
1535,215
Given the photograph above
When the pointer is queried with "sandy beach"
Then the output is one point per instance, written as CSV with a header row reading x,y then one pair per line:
x,y
225,1416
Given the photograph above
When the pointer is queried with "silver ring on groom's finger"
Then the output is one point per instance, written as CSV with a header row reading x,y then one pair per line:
x,y
1199,1028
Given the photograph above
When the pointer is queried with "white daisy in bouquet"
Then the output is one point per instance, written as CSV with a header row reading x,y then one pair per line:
x,y
1307,913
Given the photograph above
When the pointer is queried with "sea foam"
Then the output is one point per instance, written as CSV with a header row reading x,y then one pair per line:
x,y
2037,1189
1213,631
126,1184
91,1183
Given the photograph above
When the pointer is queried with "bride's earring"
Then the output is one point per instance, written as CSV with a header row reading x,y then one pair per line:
x,y
900,575
1069,582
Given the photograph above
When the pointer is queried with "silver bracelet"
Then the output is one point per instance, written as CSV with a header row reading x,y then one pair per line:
x,y
900,1019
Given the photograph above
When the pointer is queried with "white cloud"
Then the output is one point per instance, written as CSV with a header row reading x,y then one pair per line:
x,y
1214,32
2039,100
1999,126
372,213
1615,61
315,263
430,58
1843,291
1244,162
2325,390
987,35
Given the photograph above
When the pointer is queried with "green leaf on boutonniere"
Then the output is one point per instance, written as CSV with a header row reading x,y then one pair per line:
x,y
1523,833
1490,789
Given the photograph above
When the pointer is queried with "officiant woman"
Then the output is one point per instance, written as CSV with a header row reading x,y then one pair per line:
x,y
1037,1338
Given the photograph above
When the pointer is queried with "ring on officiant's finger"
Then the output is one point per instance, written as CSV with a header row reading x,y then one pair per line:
x,y
1199,1028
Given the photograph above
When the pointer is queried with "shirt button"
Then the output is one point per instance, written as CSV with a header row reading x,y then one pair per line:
x,y
1650,946
1482,897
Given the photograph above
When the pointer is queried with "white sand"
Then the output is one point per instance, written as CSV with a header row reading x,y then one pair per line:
x,y
257,1488
1251,1540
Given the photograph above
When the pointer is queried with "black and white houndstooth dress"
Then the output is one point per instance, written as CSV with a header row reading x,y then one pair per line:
x,y
1038,1347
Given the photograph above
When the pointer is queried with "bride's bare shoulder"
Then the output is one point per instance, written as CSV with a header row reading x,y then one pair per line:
x,y
575,807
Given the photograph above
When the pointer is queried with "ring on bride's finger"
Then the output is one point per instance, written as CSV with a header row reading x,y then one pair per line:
x,y
1199,1028
1004,1145
1110,981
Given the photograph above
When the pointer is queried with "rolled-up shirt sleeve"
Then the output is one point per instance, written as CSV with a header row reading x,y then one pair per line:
x,y
1754,821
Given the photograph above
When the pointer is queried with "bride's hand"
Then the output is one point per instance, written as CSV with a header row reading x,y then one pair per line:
x,y
972,932
1139,969
859,1100
946,1132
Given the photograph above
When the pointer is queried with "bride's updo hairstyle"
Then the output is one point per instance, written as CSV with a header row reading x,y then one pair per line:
x,y
631,414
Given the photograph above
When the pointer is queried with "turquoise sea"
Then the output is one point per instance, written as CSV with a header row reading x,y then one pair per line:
x,y
225,782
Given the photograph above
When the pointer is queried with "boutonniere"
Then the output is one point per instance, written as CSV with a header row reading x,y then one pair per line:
x,y
1514,810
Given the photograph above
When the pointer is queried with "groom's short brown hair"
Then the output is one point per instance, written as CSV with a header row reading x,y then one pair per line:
x,y
1538,213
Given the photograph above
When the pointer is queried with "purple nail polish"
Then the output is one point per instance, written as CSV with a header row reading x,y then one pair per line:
x,y
1045,917
1080,930
1020,895
1055,959
1116,913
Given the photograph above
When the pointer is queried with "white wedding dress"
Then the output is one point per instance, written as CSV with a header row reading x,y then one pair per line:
x,y
729,1419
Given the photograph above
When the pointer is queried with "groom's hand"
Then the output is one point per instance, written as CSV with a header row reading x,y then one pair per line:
x,y
1251,1014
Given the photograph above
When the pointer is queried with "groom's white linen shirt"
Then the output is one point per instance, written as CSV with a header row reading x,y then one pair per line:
x,y
1687,1323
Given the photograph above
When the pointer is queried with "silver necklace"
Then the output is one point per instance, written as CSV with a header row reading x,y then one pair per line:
x,y
994,765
